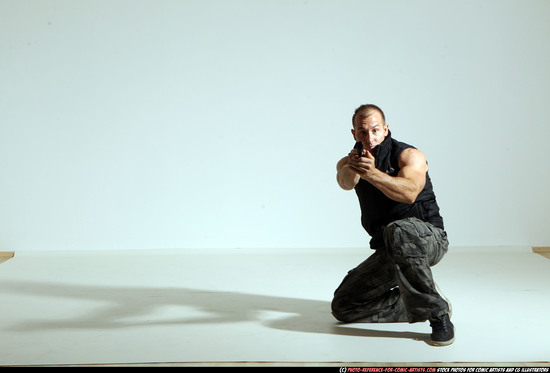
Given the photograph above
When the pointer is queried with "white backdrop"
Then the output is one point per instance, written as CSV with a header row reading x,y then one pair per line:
x,y
130,124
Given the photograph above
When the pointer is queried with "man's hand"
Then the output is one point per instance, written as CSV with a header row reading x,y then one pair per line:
x,y
353,167
363,166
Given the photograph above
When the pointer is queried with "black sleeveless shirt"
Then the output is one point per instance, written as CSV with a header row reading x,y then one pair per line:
x,y
377,210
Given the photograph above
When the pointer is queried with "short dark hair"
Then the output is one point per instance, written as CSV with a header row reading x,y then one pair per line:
x,y
366,110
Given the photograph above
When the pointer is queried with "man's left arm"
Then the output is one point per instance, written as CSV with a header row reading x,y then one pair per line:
x,y
404,187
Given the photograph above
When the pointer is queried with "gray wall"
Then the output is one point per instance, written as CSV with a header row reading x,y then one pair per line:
x,y
128,124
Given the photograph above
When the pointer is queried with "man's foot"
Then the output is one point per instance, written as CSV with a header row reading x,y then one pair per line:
x,y
443,331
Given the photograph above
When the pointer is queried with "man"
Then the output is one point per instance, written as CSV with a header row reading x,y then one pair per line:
x,y
399,211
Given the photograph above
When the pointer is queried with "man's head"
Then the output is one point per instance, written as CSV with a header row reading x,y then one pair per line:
x,y
369,126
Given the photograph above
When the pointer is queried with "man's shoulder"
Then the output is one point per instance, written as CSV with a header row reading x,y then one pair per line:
x,y
400,145
406,154
397,149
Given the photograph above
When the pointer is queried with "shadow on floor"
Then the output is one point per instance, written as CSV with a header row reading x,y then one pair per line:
x,y
125,307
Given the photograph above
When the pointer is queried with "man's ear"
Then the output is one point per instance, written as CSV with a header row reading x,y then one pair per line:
x,y
386,129
353,133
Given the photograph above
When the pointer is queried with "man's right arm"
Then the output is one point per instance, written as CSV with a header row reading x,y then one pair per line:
x,y
347,179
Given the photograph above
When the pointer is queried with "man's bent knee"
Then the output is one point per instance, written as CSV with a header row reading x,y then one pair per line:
x,y
340,310
407,238
336,310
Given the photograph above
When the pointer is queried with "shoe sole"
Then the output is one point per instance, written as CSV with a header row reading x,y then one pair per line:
x,y
441,343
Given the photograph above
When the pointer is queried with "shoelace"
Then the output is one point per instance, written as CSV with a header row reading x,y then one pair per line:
x,y
439,325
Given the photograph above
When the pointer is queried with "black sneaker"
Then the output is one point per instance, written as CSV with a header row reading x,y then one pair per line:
x,y
443,331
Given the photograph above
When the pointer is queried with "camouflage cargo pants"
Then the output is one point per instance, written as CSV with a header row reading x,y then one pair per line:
x,y
395,283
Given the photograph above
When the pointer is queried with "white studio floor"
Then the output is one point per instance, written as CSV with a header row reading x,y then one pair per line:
x,y
257,306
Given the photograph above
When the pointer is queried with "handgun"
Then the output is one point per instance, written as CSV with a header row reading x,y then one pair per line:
x,y
359,147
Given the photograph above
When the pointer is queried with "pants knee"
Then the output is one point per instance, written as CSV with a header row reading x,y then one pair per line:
x,y
337,310
406,238
340,310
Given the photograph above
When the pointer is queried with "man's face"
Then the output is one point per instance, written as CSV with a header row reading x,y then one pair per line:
x,y
371,131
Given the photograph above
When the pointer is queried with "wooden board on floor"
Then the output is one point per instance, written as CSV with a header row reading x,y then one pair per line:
x,y
5,255
542,250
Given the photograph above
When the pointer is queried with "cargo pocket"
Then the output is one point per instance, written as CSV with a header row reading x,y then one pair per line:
x,y
408,238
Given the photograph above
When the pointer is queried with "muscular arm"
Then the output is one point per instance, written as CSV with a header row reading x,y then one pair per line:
x,y
404,187
346,177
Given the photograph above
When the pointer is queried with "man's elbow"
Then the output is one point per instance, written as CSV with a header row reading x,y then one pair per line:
x,y
343,184
410,198
346,187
